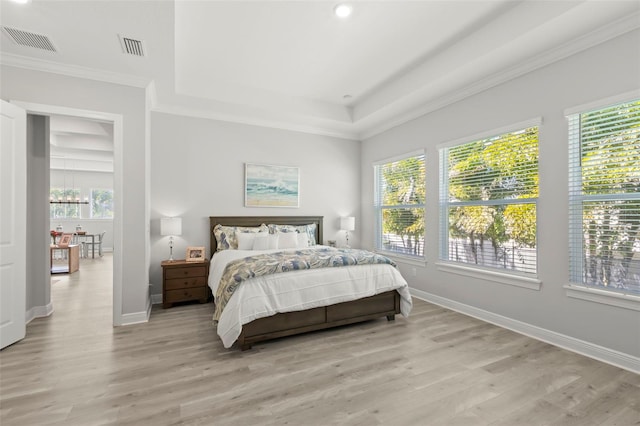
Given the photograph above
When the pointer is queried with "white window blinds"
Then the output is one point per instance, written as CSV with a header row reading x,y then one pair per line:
x,y
488,198
604,197
399,205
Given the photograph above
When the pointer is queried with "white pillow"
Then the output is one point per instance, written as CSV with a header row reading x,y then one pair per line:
x,y
245,240
303,241
273,241
260,241
287,240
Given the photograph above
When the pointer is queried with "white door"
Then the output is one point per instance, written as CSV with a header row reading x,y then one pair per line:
x,y
13,222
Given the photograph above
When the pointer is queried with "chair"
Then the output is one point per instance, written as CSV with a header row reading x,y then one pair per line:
x,y
93,244
76,240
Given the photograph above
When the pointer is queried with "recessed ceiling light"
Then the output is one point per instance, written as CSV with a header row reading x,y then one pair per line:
x,y
342,10
21,1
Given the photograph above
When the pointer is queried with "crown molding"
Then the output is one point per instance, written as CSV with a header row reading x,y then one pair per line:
x,y
255,121
601,35
44,65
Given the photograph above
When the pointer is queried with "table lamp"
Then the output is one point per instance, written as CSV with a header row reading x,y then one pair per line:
x,y
347,224
171,226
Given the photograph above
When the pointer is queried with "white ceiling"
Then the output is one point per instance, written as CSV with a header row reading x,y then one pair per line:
x,y
290,64
80,144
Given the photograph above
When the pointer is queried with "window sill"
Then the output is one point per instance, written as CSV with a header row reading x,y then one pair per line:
x,y
621,300
493,276
416,261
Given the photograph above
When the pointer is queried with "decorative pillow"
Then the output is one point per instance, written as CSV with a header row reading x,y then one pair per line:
x,y
287,240
303,241
265,241
260,241
226,236
309,230
273,241
246,239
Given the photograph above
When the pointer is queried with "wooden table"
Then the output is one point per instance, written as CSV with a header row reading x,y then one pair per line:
x,y
73,259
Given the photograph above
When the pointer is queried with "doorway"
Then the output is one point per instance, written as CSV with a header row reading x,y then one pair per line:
x,y
41,245
80,187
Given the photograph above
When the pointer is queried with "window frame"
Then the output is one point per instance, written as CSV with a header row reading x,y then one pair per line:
x,y
493,274
379,208
577,288
66,192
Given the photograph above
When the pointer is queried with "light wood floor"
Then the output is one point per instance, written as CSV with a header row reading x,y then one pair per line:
x,y
436,368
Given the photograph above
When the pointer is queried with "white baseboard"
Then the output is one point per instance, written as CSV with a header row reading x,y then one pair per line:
x,y
610,356
38,312
137,317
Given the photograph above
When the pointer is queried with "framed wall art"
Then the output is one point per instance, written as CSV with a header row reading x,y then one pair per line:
x,y
271,186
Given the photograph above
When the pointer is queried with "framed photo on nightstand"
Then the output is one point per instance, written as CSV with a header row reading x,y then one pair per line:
x,y
195,254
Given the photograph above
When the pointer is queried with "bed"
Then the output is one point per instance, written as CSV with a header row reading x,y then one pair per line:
x,y
386,296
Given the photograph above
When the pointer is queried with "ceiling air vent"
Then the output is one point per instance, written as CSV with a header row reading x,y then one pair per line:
x,y
131,46
26,38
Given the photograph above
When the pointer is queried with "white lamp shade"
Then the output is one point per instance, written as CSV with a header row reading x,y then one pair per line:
x,y
348,223
171,226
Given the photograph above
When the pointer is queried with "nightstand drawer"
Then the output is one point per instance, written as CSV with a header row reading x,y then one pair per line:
x,y
178,283
194,271
184,281
185,294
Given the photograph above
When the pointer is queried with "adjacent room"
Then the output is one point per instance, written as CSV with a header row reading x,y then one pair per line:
x,y
459,181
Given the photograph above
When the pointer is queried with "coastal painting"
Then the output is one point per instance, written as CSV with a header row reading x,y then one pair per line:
x,y
271,186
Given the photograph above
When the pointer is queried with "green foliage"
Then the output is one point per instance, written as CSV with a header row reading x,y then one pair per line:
x,y
502,168
404,188
102,203
610,166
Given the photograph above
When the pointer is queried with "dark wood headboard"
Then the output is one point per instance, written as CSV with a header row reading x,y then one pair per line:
x,y
259,220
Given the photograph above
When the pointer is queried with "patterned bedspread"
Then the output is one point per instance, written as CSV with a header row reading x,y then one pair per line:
x,y
241,270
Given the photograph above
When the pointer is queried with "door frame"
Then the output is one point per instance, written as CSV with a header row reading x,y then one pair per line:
x,y
118,199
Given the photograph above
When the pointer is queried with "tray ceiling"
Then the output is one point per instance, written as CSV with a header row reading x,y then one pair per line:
x,y
296,65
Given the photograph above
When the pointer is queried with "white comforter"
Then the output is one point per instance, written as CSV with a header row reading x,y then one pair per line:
x,y
299,290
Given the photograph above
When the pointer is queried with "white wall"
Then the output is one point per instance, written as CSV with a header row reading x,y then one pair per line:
x,y
17,84
197,171
606,70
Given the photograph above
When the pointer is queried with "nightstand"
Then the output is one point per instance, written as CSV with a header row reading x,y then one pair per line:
x,y
184,281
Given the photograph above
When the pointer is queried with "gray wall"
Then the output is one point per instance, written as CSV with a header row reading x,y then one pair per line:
x,y
197,171
38,296
603,71
17,84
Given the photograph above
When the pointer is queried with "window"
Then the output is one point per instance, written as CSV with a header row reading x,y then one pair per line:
x,y
604,198
488,199
64,211
102,204
399,205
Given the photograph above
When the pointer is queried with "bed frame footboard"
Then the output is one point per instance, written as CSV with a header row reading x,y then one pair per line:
x,y
291,323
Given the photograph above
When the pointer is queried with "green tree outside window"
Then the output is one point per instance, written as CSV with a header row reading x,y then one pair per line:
x,y
489,201
102,204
